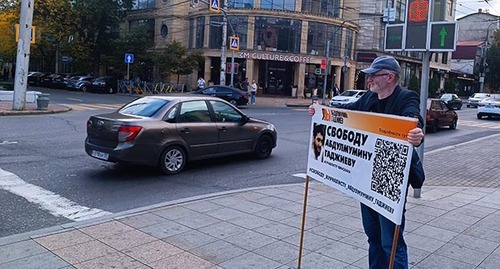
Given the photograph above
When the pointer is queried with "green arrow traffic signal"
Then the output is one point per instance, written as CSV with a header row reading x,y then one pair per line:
x,y
442,35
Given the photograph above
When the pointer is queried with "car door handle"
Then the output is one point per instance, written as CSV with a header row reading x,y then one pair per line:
x,y
185,130
223,129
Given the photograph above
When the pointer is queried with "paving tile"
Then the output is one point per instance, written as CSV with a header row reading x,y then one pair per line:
x,y
350,222
486,234
249,260
475,243
275,214
423,242
165,229
115,260
174,212
190,239
225,213
357,239
277,230
310,242
182,260
332,231
218,252
63,239
343,252
202,206
197,220
106,229
273,202
492,261
464,254
442,262
249,206
250,196
280,251
448,224
20,250
249,221
416,255
40,261
317,261
250,240
84,252
128,239
142,220
436,233
153,251
428,210
222,230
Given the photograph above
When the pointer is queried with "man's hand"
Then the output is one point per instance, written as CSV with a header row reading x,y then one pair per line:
x,y
415,136
311,110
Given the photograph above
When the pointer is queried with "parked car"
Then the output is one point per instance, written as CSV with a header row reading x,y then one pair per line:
x,y
476,98
169,131
80,83
34,78
105,84
234,96
348,96
440,115
489,107
452,100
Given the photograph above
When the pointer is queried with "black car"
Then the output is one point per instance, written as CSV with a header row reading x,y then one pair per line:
x,y
234,96
34,78
452,100
80,83
105,84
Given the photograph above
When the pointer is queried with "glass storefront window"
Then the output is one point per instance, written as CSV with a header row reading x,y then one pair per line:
x,y
237,23
349,43
196,32
330,8
240,3
318,36
215,34
143,4
278,4
277,34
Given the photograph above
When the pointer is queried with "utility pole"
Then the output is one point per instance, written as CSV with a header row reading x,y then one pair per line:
x,y
223,48
326,71
23,55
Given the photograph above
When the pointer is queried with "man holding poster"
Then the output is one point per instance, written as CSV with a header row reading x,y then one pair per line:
x,y
371,157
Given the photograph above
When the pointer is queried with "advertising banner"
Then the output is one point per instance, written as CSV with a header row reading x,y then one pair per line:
x,y
364,155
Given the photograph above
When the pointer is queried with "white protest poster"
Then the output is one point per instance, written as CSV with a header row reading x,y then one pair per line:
x,y
364,155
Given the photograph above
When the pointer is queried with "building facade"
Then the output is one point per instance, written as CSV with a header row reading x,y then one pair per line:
x,y
282,43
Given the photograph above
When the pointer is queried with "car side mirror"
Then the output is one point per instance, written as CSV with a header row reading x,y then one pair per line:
x,y
244,119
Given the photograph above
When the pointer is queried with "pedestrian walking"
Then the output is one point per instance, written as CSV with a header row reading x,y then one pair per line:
x,y
201,83
386,96
253,92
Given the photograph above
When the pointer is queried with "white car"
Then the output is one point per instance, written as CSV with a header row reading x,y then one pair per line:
x,y
476,98
489,107
346,97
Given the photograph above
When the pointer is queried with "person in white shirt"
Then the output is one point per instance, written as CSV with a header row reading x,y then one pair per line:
x,y
201,83
253,92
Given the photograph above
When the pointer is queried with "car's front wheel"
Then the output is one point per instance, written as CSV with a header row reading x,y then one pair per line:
x,y
233,102
479,116
172,160
453,124
84,88
264,147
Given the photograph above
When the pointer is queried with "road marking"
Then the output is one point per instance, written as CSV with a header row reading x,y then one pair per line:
x,y
80,107
491,138
491,125
301,175
54,203
75,99
8,142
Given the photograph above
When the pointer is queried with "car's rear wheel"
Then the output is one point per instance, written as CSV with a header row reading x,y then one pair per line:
x,y
453,124
233,102
479,116
84,88
264,147
172,160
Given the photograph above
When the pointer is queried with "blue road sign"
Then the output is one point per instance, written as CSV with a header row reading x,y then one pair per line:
x,y
129,58
234,43
214,6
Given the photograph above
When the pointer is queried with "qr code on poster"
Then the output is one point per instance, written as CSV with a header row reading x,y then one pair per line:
x,y
388,168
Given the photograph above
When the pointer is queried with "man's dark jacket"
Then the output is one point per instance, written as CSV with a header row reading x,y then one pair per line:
x,y
401,102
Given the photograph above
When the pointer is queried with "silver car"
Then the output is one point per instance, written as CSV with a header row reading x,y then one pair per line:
x,y
476,98
169,131
348,96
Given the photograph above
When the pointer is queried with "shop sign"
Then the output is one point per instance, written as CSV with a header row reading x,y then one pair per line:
x,y
275,57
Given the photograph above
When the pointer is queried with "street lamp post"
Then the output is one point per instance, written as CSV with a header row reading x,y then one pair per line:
x,y
482,68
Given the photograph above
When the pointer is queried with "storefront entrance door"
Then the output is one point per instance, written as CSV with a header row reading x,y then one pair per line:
x,y
276,77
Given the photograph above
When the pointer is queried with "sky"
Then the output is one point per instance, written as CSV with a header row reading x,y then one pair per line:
x,y
465,7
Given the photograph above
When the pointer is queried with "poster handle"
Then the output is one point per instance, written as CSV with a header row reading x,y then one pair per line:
x,y
394,246
303,222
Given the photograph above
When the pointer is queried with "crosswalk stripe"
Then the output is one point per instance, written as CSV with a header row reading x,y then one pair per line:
x,y
492,125
80,107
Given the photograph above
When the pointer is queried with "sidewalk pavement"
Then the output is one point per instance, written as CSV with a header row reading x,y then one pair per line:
x,y
455,225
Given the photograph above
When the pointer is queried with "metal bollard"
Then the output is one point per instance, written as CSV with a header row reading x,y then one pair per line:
x,y
417,193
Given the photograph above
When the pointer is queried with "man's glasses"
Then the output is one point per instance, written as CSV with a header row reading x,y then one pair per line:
x,y
319,140
377,75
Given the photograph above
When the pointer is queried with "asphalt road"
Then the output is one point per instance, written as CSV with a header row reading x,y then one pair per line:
x,y
45,154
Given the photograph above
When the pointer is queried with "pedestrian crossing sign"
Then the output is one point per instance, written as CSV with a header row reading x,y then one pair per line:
x,y
214,6
234,43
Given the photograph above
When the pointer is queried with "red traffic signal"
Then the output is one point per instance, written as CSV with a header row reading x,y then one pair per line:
x,y
323,64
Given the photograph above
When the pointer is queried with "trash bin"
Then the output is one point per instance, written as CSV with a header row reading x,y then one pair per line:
x,y
42,101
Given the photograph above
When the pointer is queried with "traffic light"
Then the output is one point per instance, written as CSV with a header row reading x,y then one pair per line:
x,y
416,24
323,64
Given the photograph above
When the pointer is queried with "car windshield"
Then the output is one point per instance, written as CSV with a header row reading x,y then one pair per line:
x,y
349,93
144,107
446,96
480,95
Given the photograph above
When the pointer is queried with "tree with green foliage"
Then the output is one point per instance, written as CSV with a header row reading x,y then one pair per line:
x,y
492,77
175,59
434,86
414,84
450,85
